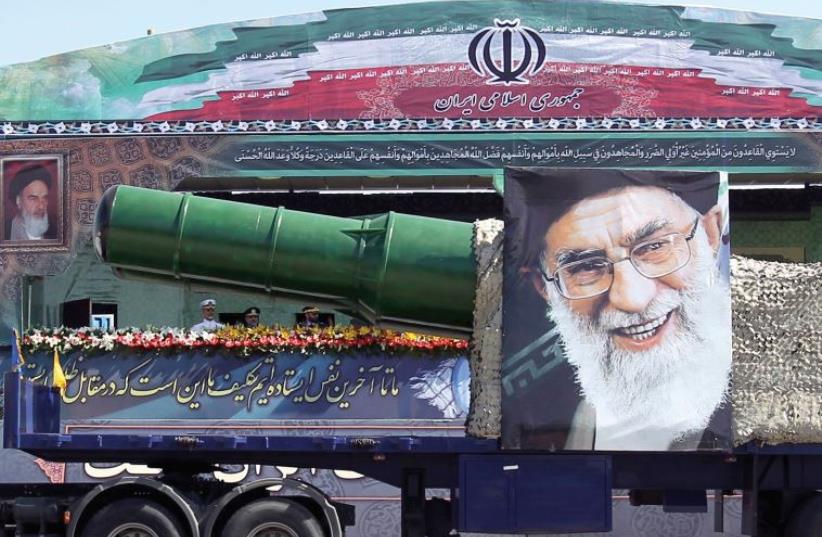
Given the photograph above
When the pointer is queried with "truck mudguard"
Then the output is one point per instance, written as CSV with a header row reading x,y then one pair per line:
x,y
78,511
288,487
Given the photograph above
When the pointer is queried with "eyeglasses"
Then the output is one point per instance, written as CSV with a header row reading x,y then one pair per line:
x,y
594,275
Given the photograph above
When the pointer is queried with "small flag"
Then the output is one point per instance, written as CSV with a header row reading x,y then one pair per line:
x,y
59,375
17,359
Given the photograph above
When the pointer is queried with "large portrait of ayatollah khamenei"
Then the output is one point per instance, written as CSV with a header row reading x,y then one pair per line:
x,y
616,310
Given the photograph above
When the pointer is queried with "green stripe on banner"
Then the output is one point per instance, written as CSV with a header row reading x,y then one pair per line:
x,y
456,17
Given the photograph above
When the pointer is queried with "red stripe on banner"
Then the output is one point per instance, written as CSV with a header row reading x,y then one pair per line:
x,y
455,91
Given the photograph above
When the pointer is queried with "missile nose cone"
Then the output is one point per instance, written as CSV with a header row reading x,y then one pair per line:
x,y
102,221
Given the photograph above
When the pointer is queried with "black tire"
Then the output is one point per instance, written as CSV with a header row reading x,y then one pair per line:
x,y
140,516
806,519
272,518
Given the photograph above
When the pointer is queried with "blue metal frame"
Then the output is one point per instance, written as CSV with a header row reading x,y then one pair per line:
x,y
542,493
32,424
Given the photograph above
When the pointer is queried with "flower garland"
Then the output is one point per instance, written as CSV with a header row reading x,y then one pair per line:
x,y
240,340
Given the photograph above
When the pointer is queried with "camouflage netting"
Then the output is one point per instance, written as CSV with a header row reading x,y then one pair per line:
x,y
777,381
777,343
486,343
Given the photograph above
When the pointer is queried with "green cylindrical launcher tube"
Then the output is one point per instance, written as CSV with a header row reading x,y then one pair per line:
x,y
395,269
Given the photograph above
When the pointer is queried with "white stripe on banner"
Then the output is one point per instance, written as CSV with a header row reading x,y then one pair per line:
x,y
591,49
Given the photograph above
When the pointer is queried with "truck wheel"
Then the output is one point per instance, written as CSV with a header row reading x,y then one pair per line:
x,y
272,518
133,517
806,519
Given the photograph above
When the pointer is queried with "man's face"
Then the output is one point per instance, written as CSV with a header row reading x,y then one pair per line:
x,y
611,226
208,312
252,320
34,199
312,317
653,352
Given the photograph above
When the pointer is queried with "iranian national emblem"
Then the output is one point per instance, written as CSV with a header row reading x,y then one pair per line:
x,y
518,45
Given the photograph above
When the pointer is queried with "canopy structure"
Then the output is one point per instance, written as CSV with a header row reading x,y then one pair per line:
x,y
471,65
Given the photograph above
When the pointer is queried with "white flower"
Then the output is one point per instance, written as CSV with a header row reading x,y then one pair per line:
x,y
342,124
696,123
475,124
802,123
554,123
659,123
189,126
217,126
322,124
395,124
581,123
108,341
8,128
369,124
242,125
421,123
749,123
85,127
607,123
164,126
721,123
296,125
775,123
634,123
59,128
447,124
528,123
270,125
33,128
112,127
501,124
138,127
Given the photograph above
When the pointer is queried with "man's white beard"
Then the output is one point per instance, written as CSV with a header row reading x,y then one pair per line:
x,y
647,399
35,226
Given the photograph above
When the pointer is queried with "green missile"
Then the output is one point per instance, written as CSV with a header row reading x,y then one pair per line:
x,y
394,269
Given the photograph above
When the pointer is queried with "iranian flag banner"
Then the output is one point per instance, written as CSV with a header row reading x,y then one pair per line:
x,y
459,60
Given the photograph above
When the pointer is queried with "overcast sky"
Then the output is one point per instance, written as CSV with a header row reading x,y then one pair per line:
x,y
32,29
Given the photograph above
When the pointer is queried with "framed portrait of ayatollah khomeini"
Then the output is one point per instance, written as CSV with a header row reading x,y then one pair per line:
x,y
31,208
616,310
